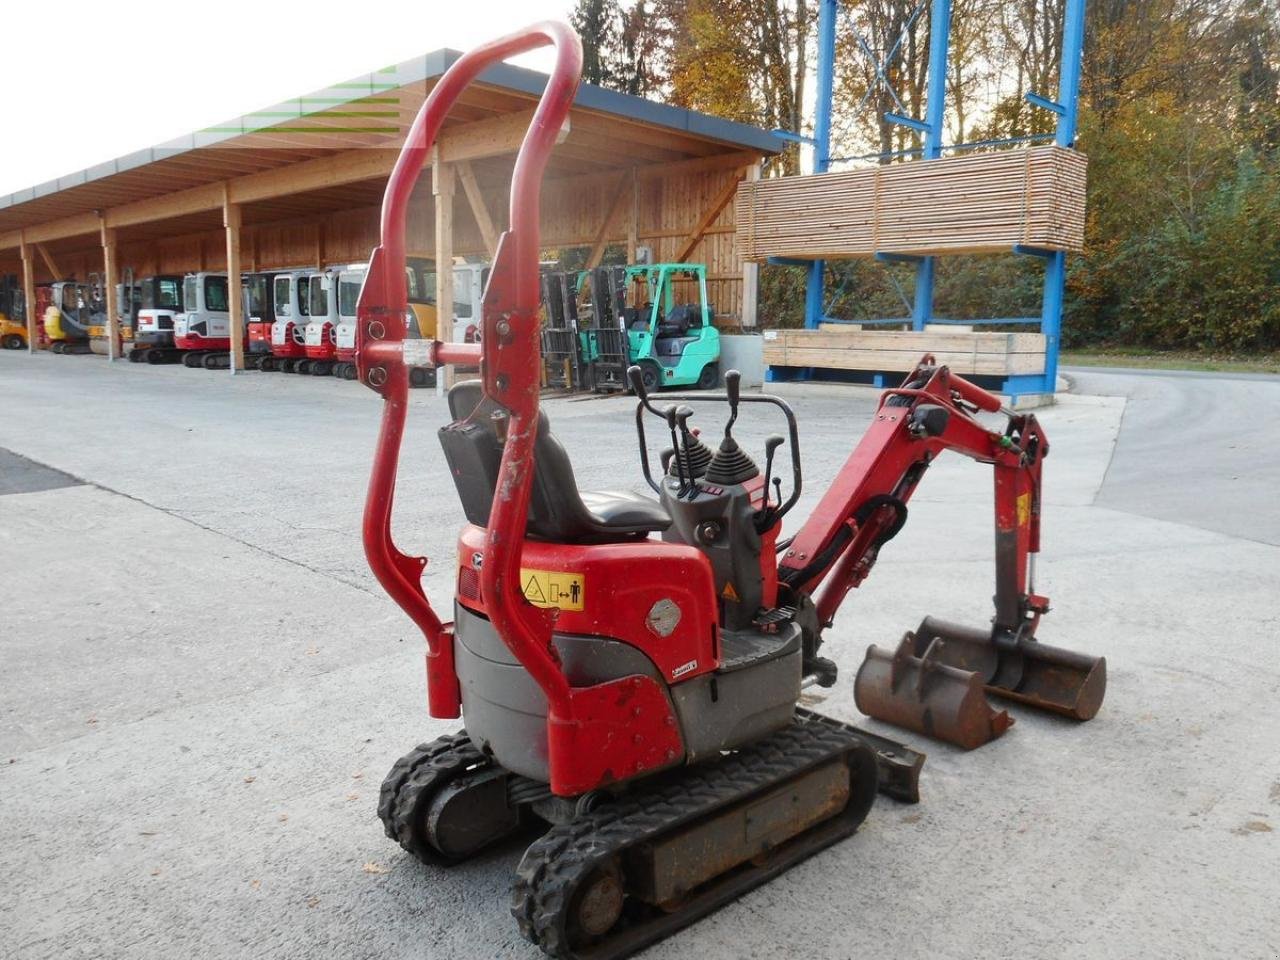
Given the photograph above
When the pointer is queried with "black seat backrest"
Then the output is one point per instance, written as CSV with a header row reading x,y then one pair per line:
x,y
681,319
474,454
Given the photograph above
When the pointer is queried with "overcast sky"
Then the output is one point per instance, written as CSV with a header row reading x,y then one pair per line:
x,y
84,83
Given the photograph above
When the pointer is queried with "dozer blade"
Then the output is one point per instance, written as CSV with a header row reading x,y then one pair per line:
x,y
922,693
1062,681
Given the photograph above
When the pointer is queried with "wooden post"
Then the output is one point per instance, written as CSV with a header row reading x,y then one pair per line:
x,y
442,187
235,297
29,294
750,275
633,224
111,271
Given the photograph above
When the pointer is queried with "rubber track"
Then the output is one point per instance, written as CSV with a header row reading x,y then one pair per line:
x,y
554,866
411,782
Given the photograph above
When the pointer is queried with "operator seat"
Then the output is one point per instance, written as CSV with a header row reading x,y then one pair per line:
x,y
680,319
558,511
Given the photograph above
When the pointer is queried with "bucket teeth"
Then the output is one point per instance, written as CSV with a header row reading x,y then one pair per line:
x,y
919,690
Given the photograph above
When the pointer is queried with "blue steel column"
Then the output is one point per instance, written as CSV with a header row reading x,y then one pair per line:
x,y
939,47
813,301
1055,272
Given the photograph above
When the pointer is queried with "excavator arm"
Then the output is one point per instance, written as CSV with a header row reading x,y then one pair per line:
x,y
933,682
866,505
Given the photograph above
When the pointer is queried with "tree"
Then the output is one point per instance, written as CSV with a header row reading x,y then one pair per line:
x,y
1179,115
618,45
596,22
747,60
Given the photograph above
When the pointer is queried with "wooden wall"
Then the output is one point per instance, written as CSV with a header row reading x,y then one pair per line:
x,y
651,208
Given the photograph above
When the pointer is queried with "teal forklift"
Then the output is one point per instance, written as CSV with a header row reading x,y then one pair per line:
x,y
671,337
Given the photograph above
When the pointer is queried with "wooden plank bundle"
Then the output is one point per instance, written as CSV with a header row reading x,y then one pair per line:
x,y
976,203
968,354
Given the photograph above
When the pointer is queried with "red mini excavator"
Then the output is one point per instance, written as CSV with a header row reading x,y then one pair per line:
x,y
629,667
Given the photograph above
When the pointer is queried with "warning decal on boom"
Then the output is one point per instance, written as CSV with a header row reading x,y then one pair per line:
x,y
553,588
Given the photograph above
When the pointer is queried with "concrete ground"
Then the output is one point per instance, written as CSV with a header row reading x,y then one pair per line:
x,y
202,685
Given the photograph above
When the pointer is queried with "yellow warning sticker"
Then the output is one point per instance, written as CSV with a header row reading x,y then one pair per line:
x,y
1024,509
729,593
553,588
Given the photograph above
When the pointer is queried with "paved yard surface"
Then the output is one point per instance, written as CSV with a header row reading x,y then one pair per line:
x,y
202,685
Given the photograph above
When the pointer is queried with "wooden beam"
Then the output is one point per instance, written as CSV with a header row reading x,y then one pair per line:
x,y
54,272
29,295
442,186
183,203
718,203
478,208
110,269
235,295
719,161
467,141
350,166
83,223
489,138
615,205
749,316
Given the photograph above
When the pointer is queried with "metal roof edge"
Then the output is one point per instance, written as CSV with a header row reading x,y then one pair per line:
x,y
422,68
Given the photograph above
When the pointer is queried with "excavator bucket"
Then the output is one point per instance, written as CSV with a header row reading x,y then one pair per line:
x,y
1062,681
921,692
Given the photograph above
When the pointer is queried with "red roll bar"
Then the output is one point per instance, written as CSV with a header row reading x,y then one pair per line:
x,y
509,366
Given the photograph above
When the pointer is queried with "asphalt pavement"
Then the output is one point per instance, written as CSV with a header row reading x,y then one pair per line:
x,y
202,685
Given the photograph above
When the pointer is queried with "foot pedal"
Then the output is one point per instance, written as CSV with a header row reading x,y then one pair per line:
x,y
921,692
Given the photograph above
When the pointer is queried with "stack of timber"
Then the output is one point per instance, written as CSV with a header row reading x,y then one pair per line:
x,y
976,203
968,354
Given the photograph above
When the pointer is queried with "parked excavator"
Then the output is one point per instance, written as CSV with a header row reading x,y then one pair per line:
x,y
203,329
159,305
259,307
344,333
629,668
288,330
319,337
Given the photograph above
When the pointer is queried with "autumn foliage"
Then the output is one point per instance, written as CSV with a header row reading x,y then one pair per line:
x,y
1179,114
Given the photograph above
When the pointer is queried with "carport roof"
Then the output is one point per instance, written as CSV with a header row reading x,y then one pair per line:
x,y
373,111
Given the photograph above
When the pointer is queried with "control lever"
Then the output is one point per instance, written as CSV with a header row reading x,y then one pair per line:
x,y
732,389
670,414
681,419
771,446
635,376
768,513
